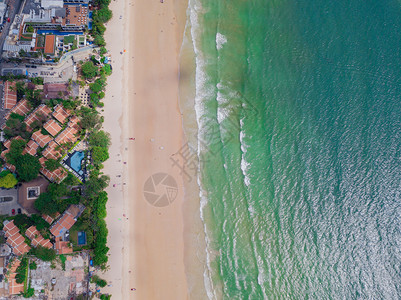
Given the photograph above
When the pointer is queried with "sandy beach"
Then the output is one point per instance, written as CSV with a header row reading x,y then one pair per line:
x,y
146,242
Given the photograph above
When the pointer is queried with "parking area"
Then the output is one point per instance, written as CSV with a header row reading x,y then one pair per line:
x,y
9,202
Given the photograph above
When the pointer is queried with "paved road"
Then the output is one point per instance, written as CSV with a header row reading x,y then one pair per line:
x,y
13,8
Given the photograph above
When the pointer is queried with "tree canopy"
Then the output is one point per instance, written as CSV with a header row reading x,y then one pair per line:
x,y
99,138
52,164
99,154
89,70
8,181
27,167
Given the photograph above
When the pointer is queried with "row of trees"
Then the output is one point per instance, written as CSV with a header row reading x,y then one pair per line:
x,y
100,16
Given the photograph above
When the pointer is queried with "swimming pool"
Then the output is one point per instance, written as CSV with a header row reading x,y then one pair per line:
x,y
81,238
76,161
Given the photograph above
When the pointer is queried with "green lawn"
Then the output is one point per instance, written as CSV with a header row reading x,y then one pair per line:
x,y
69,39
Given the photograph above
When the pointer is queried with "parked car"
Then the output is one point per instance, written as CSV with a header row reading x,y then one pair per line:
x,y
19,211
13,211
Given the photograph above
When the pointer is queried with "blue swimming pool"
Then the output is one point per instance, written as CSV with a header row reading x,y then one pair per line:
x,y
81,238
57,32
76,161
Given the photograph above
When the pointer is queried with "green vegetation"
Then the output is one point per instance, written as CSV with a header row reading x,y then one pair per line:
x,y
103,51
52,164
69,39
37,80
29,293
99,154
89,70
8,181
63,259
15,126
99,138
33,266
44,253
22,270
27,166
56,199
99,281
105,297
29,28
107,69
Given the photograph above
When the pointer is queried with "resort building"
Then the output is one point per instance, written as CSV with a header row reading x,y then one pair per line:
x,y
15,239
28,192
14,288
60,113
9,95
40,113
36,238
60,229
50,219
57,175
55,90
31,148
21,108
52,127
41,139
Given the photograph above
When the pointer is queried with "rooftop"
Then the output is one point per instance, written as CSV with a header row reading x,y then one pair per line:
x,y
41,139
55,90
50,152
31,148
52,127
28,192
37,239
67,135
41,112
60,113
13,286
67,220
10,95
21,108
15,239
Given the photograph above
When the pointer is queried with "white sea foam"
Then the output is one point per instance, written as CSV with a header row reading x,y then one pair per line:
x,y
220,40
244,147
202,91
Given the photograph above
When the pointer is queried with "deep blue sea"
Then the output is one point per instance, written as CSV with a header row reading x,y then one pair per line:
x,y
298,108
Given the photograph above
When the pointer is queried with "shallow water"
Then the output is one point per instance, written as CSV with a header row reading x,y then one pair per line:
x,y
298,118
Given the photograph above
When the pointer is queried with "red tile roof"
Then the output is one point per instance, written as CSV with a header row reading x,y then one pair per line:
x,y
66,221
62,247
74,120
67,135
57,175
15,239
60,113
49,219
22,108
41,139
37,239
14,287
52,127
41,110
51,152
10,167
55,90
10,94
31,148
7,143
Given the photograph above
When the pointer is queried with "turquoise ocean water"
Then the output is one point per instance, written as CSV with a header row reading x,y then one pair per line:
x,y
299,137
